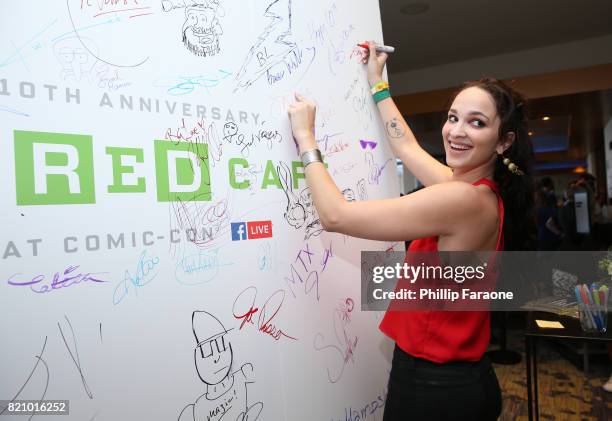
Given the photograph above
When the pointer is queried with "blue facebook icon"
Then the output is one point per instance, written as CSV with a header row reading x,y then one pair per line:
x,y
239,231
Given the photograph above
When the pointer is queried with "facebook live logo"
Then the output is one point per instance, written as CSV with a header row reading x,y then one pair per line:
x,y
251,230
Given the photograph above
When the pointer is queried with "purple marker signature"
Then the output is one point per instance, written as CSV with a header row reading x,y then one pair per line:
x,y
68,278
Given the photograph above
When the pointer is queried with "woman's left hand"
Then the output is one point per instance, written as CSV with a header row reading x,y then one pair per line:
x,y
302,117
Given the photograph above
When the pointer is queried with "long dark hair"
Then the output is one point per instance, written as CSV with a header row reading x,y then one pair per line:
x,y
517,191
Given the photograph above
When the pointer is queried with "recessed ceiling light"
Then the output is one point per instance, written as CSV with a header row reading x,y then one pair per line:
x,y
530,133
415,8
546,118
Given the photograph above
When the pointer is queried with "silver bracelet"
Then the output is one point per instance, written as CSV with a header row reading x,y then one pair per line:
x,y
313,155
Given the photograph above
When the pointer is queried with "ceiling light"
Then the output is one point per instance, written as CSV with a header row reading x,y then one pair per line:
x,y
530,133
415,8
546,118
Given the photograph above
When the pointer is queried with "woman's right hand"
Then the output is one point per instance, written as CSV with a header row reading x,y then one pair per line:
x,y
376,63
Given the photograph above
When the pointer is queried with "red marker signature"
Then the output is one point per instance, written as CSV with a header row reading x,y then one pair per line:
x,y
267,313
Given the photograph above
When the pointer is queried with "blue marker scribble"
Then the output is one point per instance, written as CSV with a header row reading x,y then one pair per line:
x,y
11,110
36,44
188,84
114,19
143,275
199,268
16,56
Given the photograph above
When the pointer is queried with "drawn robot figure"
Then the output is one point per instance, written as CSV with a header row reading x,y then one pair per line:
x,y
201,29
226,390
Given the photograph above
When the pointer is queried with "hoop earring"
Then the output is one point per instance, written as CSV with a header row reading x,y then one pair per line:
x,y
512,167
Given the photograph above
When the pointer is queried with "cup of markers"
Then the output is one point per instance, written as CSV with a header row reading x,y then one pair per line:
x,y
593,307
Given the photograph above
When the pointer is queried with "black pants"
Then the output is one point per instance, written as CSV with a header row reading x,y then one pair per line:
x,y
424,390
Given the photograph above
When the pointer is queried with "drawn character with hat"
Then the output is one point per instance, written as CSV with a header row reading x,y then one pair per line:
x,y
226,390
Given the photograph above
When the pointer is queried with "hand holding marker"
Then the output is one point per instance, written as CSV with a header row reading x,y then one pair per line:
x,y
379,48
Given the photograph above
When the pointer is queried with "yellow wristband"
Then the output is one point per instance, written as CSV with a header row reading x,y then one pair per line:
x,y
380,86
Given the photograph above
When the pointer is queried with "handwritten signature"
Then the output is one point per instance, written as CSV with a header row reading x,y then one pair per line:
x,y
188,84
305,275
324,141
60,280
144,274
374,170
113,82
199,268
346,344
267,313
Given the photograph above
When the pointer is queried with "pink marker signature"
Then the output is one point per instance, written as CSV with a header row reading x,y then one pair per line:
x,y
346,344
267,313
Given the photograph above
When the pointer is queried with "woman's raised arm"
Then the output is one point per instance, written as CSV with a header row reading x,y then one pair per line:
x,y
401,139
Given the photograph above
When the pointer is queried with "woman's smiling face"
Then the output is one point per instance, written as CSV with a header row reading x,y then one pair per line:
x,y
471,131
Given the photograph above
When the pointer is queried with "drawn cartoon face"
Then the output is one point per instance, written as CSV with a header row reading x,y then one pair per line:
x,y
75,60
213,356
230,129
201,30
69,55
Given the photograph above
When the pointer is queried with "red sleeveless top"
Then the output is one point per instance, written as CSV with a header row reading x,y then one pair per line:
x,y
443,336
